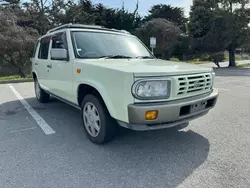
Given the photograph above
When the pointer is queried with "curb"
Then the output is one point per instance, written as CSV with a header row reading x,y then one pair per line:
x,y
230,68
16,81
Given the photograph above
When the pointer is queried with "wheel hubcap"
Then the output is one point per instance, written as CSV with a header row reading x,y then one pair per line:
x,y
38,91
91,119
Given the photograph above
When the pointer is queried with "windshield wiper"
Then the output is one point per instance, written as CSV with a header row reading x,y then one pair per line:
x,y
144,57
115,57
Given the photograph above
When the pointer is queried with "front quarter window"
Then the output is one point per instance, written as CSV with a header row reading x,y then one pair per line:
x,y
111,45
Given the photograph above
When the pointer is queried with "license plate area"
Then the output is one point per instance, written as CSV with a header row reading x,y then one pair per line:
x,y
190,109
198,107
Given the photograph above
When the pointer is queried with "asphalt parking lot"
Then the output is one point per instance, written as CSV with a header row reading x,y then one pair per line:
x,y
212,152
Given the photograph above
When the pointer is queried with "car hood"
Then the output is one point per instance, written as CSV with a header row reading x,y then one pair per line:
x,y
151,67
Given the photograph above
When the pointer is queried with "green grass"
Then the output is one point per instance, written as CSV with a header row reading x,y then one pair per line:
x,y
238,57
194,61
13,77
197,61
244,65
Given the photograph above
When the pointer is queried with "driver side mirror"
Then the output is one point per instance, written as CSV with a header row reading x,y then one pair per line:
x,y
59,54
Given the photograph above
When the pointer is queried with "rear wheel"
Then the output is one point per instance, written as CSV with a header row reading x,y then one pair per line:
x,y
99,126
41,95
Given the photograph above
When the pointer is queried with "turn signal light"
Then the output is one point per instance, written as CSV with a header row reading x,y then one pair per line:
x,y
151,115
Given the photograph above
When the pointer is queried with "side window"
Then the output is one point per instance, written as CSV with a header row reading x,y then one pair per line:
x,y
59,41
35,49
44,48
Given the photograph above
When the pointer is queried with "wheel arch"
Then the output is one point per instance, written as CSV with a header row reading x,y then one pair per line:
x,y
84,89
34,75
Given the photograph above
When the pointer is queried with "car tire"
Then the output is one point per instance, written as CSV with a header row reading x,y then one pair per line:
x,y
99,126
41,95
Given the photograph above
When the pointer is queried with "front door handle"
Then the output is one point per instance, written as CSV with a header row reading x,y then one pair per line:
x,y
36,63
49,66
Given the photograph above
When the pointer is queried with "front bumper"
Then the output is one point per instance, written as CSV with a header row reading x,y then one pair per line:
x,y
170,114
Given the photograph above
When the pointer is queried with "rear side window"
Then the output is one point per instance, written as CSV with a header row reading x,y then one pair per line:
x,y
44,48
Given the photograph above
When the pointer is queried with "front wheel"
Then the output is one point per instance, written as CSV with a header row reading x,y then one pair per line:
x,y
98,124
41,95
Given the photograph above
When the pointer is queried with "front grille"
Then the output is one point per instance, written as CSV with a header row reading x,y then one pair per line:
x,y
194,83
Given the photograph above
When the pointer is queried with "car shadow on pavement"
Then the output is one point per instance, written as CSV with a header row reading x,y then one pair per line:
x,y
162,158
171,155
228,72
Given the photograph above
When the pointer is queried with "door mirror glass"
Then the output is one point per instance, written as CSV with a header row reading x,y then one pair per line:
x,y
59,54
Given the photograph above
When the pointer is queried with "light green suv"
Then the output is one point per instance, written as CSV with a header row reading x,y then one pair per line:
x,y
112,77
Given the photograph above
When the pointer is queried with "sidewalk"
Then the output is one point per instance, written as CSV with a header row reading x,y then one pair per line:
x,y
224,64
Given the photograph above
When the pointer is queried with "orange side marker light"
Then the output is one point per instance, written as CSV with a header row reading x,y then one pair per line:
x,y
78,70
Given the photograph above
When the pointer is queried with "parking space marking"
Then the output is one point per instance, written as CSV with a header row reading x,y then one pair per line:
x,y
223,89
39,120
22,130
226,81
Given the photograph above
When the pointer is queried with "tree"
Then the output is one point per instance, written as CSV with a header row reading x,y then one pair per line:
x,y
81,12
57,12
16,43
172,14
9,2
166,34
219,25
45,14
37,13
85,12
183,49
117,18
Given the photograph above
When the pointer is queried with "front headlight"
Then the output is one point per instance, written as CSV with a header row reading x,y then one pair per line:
x,y
151,89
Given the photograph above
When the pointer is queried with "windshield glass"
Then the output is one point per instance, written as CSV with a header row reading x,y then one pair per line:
x,y
110,45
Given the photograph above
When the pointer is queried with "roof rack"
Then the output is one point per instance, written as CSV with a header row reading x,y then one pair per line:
x,y
70,25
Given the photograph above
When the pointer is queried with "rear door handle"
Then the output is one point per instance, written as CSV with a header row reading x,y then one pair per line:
x,y
36,63
49,66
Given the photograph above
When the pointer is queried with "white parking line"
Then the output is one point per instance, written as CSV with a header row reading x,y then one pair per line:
x,y
227,81
22,130
223,89
39,120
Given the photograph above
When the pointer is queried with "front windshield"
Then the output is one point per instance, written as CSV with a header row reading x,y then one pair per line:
x,y
98,45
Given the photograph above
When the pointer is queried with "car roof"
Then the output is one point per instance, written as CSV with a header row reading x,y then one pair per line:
x,y
82,26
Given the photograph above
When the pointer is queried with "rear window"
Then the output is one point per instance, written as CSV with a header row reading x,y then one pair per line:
x,y
44,48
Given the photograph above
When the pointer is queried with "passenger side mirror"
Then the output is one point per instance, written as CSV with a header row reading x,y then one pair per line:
x,y
59,54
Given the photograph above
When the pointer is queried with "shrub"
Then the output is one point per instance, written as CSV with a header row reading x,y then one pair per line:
x,y
174,59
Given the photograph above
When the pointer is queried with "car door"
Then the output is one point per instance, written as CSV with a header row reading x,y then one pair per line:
x,y
40,63
60,71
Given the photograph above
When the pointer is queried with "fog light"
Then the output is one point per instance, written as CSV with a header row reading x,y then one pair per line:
x,y
151,115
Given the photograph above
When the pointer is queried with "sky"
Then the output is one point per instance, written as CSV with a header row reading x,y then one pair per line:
x,y
144,5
